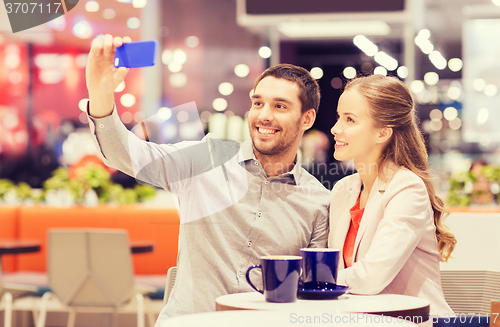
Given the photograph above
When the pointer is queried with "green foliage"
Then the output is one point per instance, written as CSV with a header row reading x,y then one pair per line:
x,y
6,185
462,191
83,179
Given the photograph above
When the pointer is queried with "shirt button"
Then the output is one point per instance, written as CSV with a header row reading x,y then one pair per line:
x,y
259,214
256,163
240,274
267,183
249,243
101,125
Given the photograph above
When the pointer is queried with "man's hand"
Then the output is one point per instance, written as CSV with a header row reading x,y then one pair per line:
x,y
102,77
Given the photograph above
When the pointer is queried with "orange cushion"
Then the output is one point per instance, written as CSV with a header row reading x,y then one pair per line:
x,y
8,231
147,224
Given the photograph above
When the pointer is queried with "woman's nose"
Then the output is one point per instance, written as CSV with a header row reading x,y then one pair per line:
x,y
335,129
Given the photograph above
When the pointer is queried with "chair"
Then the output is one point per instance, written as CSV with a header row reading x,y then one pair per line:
x,y
91,270
171,274
470,291
6,307
10,292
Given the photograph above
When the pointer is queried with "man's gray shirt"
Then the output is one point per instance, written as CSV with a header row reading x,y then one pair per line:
x,y
231,212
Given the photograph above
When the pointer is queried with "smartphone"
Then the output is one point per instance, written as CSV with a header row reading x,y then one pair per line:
x,y
136,54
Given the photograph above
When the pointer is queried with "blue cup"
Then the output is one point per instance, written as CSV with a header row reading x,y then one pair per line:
x,y
319,268
280,277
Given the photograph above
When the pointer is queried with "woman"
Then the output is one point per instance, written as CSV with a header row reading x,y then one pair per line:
x,y
386,218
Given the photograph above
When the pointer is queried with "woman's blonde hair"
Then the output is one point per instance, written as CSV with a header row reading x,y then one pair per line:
x,y
391,105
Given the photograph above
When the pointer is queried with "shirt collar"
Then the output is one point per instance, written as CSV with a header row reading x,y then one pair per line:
x,y
248,154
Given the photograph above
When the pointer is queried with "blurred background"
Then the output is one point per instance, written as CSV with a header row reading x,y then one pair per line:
x,y
446,51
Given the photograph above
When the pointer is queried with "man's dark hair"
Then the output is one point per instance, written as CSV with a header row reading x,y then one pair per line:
x,y
309,94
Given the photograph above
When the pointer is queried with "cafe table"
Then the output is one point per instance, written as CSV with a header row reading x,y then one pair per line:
x,y
405,307
17,246
258,318
137,247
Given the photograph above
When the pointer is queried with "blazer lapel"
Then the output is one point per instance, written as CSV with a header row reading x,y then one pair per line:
x,y
344,218
374,199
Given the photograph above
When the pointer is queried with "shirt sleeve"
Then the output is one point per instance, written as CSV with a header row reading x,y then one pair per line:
x,y
406,218
319,236
157,164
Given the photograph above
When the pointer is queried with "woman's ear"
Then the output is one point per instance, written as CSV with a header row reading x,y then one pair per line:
x,y
308,119
384,134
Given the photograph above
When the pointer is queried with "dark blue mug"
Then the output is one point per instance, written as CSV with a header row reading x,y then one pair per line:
x,y
319,268
280,277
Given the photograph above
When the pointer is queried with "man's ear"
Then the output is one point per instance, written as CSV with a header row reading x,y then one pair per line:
x,y
308,119
384,134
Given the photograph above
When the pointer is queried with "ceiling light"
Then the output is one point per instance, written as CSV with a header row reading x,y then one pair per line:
x,y
424,33
226,88
82,30
349,72
108,13
192,41
241,70
385,60
431,78
490,90
139,3
437,60
365,45
450,113
127,100
219,104
164,113
417,86
380,71
454,92
436,114
179,56
455,124
265,52
403,72
316,73
334,29
482,116
82,104
92,6
133,22
455,64
167,56
177,79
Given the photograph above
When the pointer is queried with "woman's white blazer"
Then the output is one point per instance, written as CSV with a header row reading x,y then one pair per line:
x,y
396,247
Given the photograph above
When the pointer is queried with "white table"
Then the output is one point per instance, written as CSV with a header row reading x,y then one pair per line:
x,y
254,318
408,307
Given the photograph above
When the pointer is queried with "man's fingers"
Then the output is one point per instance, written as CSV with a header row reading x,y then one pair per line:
x,y
117,41
96,47
107,45
127,39
120,74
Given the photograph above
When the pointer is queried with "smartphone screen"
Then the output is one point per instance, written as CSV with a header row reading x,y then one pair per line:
x,y
136,54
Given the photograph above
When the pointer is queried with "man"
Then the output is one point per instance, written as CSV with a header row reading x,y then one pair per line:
x,y
236,202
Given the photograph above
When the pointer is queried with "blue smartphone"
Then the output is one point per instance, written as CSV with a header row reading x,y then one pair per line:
x,y
136,54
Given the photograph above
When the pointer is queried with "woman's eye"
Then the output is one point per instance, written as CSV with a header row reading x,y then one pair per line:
x,y
349,119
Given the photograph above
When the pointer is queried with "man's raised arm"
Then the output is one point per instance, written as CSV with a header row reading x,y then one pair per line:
x,y
102,77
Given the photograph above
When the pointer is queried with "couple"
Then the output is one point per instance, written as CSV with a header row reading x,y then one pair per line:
x,y
238,202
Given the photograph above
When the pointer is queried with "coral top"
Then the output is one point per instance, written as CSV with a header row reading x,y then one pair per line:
x,y
356,215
